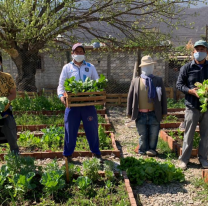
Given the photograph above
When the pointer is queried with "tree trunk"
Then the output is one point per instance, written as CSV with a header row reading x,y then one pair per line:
x,y
27,64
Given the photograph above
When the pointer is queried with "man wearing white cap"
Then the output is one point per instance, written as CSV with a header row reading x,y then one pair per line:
x,y
146,104
190,73
73,116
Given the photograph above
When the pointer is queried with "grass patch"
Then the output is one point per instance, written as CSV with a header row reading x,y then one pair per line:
x,y
164,150
201,190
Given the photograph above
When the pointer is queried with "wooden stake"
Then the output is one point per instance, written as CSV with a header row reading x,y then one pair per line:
x,y
67,169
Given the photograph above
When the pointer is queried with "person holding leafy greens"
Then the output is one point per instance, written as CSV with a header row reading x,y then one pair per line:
x,y
80,70
191,73
7,123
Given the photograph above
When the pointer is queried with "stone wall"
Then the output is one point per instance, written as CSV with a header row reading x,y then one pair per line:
x,y
117,67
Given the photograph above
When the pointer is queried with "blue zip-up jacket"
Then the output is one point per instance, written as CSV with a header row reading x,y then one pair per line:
x,y
189,74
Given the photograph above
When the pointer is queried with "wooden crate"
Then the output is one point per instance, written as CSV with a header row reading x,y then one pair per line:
x,y
85,99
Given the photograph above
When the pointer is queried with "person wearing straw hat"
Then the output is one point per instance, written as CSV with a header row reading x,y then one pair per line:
x,y
190,73
146,104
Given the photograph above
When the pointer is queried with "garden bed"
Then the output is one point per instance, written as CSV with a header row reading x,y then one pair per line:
x,y
88,183
205,175
175,144
99,111
32,128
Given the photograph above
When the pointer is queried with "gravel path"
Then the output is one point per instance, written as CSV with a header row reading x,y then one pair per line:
x,y
174,194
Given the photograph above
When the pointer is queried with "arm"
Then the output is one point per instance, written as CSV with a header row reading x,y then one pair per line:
x,y
60,89
163,99
94,73
181,82
130,99
12,94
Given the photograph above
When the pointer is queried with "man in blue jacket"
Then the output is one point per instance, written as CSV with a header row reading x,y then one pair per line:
x,y
73,116
190,73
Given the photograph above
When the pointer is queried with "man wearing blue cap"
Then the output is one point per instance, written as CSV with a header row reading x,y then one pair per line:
x,y
80,69
190,73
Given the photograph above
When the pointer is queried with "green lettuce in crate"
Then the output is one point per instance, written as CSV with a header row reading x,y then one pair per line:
x,y
203,94
3,102
73,86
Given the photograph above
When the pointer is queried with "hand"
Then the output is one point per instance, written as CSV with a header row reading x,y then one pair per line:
x,y
63,100
193,92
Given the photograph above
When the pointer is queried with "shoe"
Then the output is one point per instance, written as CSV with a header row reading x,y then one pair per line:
x,y
98,156
69,158
151,153
183,165
204,163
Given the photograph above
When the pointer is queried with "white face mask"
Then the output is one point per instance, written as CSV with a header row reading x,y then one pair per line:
x,y
148,69
78,58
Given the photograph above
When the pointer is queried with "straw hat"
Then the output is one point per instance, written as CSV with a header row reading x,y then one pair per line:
x,y
146,60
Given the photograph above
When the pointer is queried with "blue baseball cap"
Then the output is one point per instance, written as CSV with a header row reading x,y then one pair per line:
x,y
201,43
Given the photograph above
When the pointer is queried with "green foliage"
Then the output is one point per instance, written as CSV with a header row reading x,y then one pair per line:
x,y
83,183
170,118
37,103
171,103
140,170
203,94
3,102
108,167
73,86
104,139
52,178
91,167
20,165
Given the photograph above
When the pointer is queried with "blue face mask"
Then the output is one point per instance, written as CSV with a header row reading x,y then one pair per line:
x,y
199,56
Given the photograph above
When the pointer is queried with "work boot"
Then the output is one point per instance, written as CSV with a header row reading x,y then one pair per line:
x,y
204,163
151,153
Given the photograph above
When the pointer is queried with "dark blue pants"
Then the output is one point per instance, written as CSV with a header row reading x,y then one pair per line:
x,y
72,119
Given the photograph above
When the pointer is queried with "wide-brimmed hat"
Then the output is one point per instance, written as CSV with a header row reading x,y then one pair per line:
x,y
146,60
201,43
78,45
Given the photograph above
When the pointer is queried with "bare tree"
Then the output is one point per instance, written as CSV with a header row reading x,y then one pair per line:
x,y
28,26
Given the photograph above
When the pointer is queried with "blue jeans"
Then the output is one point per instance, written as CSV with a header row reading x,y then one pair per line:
x,y
148,128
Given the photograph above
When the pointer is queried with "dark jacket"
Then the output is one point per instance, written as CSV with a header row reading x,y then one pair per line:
x,y
133,99
189,74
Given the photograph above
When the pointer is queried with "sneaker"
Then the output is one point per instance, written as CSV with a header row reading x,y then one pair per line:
x,y
151,153
69,158
183,165
204,163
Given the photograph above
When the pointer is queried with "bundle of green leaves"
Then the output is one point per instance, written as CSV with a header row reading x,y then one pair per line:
x,y
3,102
203,94
140,170
73,86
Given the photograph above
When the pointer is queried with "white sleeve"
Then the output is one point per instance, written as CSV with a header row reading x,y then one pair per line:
x,y
62,78
94,73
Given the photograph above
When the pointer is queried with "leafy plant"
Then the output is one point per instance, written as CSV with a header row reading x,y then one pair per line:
x,y
170,118
108,167
20,165
52,178
73,86
83,183
171,103
22,183
196,140
91,167
103,138
139,170
203,94
3,102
